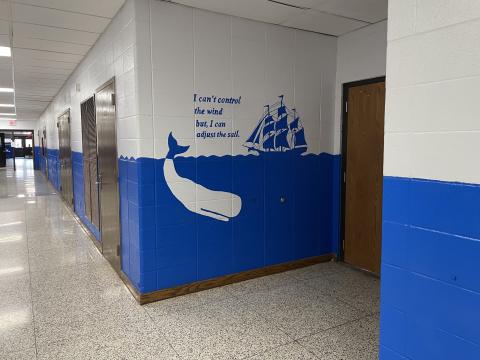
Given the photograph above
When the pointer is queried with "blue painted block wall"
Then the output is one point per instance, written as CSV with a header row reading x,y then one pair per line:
x,y
53,168
37,158
78,185
430,270
42,162
165,245
79,193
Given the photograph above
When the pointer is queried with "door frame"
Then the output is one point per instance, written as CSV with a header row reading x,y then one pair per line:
x,y
343,185
33,140
92,96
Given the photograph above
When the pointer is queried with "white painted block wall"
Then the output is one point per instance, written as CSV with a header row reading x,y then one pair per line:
x,y
114,54
195,51
362,54
432,130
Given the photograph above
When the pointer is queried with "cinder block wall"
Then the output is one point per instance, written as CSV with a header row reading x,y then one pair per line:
x,y
431,234
226,208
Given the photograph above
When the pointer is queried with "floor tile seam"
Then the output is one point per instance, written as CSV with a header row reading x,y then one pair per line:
x,y
307,349
162,333
250,308
267,319
350,322
335,297
267,350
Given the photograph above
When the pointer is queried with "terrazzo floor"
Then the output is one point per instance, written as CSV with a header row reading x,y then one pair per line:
x,y
61,300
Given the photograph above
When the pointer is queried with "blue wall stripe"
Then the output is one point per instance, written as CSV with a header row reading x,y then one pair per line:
x,y
430,283
79,193
37,157
78,186
165,245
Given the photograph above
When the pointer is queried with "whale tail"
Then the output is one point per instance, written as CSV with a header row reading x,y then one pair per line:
x,y
174,148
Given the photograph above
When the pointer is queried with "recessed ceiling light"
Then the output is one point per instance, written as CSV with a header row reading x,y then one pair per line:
x,y
7,114
5,51
9,90
7,105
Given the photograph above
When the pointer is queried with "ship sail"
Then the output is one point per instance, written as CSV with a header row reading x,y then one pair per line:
x,y
278,130
300,139
282,127
255,138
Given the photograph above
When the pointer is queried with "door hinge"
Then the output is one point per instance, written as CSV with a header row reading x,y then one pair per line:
x,y
344,177
118,250
113,99
346,106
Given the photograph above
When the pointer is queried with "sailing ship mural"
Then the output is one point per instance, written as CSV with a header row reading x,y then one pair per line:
x,y
279,130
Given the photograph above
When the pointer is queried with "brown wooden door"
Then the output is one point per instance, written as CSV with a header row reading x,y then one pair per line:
x,y
365,114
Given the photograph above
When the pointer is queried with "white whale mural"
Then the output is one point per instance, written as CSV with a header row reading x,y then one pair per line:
x,y
215,208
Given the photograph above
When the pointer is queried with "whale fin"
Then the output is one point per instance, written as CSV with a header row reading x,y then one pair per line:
x,y
174,148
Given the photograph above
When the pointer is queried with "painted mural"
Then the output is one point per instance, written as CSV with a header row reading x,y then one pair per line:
x,y
189,186
220,214
279,129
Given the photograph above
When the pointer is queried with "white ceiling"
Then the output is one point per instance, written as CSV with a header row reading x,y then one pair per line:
x,y
49,38
332,17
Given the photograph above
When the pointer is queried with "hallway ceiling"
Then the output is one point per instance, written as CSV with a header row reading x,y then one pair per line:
x,y
49,39
332,17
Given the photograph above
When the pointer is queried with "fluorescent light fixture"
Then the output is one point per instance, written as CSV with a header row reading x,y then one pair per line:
x,y
11,223
5,51
7,105
10,270
7,114
9,90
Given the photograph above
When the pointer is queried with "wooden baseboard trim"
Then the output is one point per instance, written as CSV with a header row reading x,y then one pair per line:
x,y
224,280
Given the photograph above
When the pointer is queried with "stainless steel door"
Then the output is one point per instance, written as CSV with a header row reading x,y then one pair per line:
x,y
107,172
65,157
89,144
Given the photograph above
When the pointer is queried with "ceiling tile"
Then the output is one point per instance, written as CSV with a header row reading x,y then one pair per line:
x,y
313,20
4,40
41,69
6,98
49,45
92,7
365,10
57,18
45,64
30,56
4,27
4,10
42,32
261,10
6,78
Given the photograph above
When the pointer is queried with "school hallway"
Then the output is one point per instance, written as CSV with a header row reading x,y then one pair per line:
x,y
62,300
226,179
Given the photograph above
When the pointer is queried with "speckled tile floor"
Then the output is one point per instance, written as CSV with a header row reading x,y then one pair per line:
x,y
61,300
